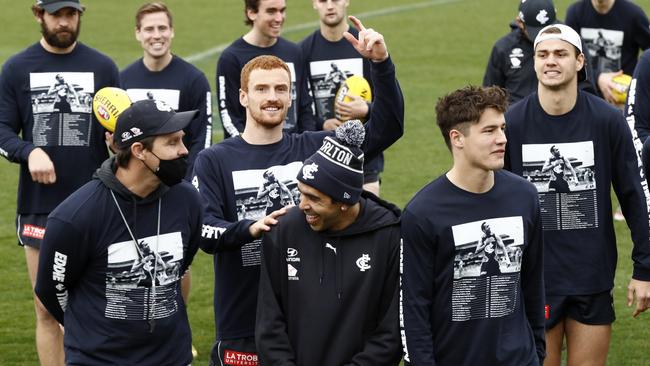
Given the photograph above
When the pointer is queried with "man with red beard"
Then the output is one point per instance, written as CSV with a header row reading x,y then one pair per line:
x,y
228,176
58,150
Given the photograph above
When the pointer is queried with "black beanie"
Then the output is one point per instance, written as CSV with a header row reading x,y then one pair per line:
x,y
336,169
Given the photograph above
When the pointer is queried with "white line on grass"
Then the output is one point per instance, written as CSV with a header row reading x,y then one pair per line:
x,y
211,52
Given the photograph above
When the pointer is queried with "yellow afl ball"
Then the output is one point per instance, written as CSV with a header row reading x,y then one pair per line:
x,y
622,85
108,103
355,85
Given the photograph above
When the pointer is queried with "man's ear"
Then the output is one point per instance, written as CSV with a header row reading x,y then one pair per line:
x,y
243,98
456,138
137,150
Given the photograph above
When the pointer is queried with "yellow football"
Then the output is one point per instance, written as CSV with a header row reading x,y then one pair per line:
x,y
108,103
354,85
622,85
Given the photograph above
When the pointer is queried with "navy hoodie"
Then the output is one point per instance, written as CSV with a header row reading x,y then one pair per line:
x,y
331,298
97,282
511,65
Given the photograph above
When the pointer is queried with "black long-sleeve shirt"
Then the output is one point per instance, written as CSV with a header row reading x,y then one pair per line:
x,y
580,253
612,40
469,296
319,55
637,110
46,102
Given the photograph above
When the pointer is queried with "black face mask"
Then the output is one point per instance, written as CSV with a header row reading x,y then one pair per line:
x,y
171,172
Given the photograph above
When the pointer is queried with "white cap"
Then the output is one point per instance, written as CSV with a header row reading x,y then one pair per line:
x,y
566,34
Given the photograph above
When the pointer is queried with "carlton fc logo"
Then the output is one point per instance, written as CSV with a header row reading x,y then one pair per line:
x,y
163,107
309,170
362,262
542,17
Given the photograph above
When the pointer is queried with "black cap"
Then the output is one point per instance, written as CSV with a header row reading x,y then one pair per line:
x,y
52,6
147,118
536,14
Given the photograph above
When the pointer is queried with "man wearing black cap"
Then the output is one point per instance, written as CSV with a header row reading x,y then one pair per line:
x,y
580,252
511,63
331,265
113,280
165,76
53,135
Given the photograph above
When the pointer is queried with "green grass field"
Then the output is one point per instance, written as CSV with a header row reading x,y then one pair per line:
x,y
437,45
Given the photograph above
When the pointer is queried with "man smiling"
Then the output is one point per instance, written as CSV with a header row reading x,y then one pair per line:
x,y
228,176
580,256
331,264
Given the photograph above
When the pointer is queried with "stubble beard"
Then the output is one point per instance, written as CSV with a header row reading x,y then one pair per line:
x,y
265,122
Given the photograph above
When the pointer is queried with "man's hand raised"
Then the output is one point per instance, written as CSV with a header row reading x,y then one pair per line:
x,y
370,44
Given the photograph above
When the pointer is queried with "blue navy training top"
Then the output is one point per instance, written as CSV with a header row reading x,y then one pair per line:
x,y
231,62
612,40
120,301
637,110
472,282
511,66
231,177
573,160
320,55
46,102
183,87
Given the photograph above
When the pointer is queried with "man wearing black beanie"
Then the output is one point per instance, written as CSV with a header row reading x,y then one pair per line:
x,y
331,264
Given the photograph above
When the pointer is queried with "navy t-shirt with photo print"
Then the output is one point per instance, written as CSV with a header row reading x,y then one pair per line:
x,y
472,283
589,150
612,40
321,56
46,102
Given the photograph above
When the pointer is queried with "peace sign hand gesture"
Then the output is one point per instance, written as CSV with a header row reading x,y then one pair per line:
x,y
370,44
